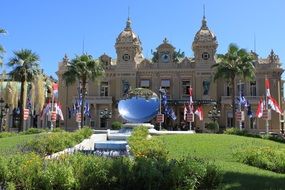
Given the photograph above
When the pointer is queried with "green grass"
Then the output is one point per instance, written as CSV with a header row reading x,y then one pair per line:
x,y
219,148
10,145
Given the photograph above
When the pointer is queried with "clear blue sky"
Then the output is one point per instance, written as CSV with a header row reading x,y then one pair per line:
x,y
52,28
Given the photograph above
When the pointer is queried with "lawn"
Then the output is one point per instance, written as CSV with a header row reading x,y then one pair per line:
x,y
10,145
219,148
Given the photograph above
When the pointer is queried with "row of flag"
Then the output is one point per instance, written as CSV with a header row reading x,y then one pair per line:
x,y
188,108
269,100
51,106
167,111
241,100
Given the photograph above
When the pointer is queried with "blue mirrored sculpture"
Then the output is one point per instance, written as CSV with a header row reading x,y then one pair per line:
x,y
141,105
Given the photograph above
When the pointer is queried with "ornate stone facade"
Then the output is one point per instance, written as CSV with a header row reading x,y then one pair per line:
x,y
173,71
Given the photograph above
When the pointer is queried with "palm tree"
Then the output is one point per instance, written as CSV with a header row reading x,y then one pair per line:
x,y
235,63
2,31
83,68
25,69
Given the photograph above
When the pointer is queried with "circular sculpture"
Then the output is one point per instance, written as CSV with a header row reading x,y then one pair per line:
x,y
141,105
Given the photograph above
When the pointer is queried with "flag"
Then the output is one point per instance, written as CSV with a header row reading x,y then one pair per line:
x,y
190,100
270,100
242,101
267,86
55,90
58,111
273,104
167,111
260,108
199,112
29,104
46,110
249,112
185,112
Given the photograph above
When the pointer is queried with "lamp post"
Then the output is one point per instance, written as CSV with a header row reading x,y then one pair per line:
x,y
105,114
3,111
214,114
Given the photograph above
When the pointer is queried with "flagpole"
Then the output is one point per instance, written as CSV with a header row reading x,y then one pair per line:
x,y
240,121
190,106
266,107
160,109
51,122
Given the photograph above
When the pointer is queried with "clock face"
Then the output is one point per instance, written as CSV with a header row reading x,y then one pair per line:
x,y
165,58
205,55
126,57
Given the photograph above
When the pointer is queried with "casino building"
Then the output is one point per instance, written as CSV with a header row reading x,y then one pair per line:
x,y
171,70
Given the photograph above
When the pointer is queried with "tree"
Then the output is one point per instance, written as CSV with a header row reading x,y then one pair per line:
x,y
25,69
2,31
83,68
235,63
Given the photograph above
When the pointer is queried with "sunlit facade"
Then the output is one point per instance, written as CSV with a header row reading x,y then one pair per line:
x,y
173,71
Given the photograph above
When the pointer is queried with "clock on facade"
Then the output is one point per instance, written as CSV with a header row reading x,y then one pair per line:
x,y
205,55
126,57
165,58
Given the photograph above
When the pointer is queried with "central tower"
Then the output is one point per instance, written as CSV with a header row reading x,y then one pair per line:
x,y
128,48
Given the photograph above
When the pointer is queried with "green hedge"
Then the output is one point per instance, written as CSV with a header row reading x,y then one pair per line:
x,y
268,158
79,171
142,146
116,125
49,143
28,132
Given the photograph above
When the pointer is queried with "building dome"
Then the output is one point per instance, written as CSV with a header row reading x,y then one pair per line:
x,y
127,36
204,35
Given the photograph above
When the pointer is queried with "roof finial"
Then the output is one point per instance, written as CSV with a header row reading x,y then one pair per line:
x,y
204,11
204,22
128,25
128,12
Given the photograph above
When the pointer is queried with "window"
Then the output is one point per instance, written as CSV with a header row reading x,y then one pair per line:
x,y
185,87
104,89
145,84
253,88
240,88
165,84
126,87
229,90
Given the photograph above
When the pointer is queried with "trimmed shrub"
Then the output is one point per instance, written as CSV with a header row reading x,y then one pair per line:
x,y
213,126
79,171
116,125
142,146
32,131
49,143
268,158
22,171
237,131
57,175
7,134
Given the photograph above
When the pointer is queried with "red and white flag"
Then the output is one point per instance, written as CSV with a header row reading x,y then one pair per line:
x,y
55,90
46,109
59,111
273,104
260,108
190,100
267,86
185,112
199,112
